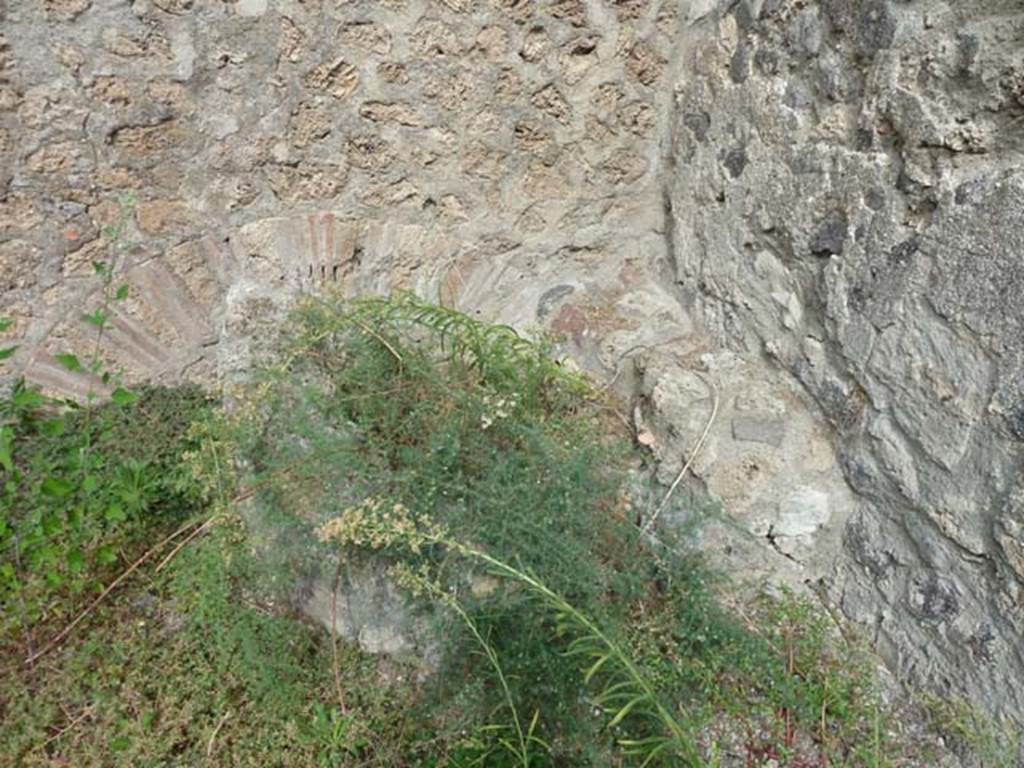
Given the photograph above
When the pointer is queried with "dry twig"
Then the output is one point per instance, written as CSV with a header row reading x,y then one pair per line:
x,y
649,525
87,712
184,543
213,736
367,329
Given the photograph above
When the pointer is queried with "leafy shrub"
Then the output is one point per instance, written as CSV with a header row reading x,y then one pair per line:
x,y
187,668
391,418
489,482
81,485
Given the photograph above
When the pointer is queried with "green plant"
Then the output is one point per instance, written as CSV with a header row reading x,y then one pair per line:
x,y
626,692
616,651
84,485
69,490
975,735
6,352
487,482
330,732
450,416
82,481
192,667
525,739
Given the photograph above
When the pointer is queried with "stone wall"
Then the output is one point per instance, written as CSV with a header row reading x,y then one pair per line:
x,y
848,204
378,145
793,224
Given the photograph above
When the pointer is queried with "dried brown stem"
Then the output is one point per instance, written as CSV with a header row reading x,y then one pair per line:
x,y
184,543
60,636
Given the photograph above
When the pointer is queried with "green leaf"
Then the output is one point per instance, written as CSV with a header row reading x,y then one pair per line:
x,y
7,352
6,447
53,427
624,712
76,561
115,514
90,484
122,293
123,397
45,556
98,318
52,525
106,556
5,323
70,362
27,398
55,488
100,267
596,667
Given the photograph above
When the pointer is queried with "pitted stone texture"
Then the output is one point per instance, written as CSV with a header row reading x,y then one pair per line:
x,y
370,610
409,123
847,202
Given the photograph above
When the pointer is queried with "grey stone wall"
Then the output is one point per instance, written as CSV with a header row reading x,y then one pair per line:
x,y
848,204
803,217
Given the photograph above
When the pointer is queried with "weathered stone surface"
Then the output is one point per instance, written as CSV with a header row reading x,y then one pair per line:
x,y
370,610
754,429
872,247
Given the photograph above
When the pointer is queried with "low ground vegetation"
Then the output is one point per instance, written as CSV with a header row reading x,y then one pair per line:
x,y
489,483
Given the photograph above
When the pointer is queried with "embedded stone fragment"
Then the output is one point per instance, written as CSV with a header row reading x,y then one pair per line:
x,y
383,112
759,429
310,123
337,78
570,11
548,99
493,41
18,262
66,10
366,35
307,181
644,63
162,217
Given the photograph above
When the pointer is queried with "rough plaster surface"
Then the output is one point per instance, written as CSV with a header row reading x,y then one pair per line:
x,y
848,206
807,211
